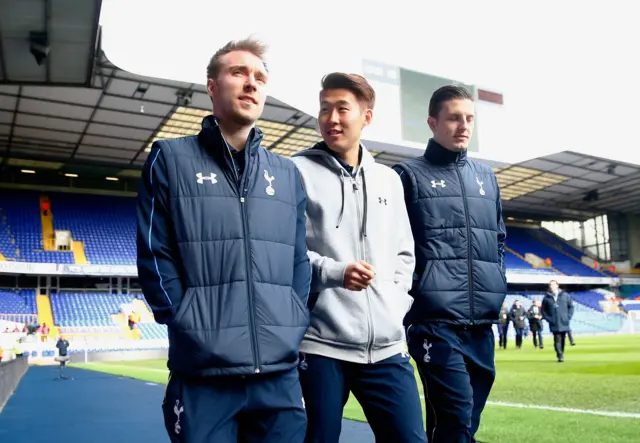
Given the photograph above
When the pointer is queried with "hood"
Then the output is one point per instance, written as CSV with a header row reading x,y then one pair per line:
x,y
320,152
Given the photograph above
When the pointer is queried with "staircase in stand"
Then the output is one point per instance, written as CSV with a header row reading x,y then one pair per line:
x,y
48,234
45,314
79,256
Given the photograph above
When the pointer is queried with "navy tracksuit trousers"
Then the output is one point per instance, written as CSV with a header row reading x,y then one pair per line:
x,y
265,408
386,390
457,368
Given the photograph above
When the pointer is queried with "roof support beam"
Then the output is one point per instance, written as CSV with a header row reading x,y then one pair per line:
x,y
13,120
93,114
47,32
3,64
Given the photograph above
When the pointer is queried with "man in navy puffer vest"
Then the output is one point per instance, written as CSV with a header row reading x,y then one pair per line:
x,y
222,261
459,283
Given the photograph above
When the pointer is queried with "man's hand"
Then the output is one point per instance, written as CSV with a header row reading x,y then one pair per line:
x,y
358,275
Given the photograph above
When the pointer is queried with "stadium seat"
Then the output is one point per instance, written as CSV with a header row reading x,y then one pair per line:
x,y
523,241
20,304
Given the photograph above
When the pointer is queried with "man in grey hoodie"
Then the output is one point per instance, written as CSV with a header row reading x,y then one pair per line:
x,y
362,256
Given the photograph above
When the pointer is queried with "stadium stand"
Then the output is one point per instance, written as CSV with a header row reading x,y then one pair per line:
x,y
519,265
21,210
86,309
106,225
587,319
523,241
18,305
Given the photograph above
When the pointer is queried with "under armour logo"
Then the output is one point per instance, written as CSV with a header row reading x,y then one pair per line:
x,y
427,346
269,190
202,178
382,201
480,184
441,183
177,411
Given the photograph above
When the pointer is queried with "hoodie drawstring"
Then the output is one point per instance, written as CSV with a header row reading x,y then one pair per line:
x,y
364,197
342,204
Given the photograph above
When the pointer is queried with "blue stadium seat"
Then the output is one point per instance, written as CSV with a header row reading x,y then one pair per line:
x,y
19,301
522,241
21,214
106,225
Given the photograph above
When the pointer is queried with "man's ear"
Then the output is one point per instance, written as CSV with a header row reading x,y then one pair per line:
x,y
368,117
211,87
432,122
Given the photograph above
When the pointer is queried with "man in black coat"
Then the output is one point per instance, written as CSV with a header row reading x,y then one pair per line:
x,y
535,323
518,315
557,310
503,326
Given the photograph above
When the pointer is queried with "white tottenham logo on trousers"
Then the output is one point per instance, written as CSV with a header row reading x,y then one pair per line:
x,y
202,178
427,346
177,411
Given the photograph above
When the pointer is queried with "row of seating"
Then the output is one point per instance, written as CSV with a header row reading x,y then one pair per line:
x,y
18,301
86,308
107,226
524,240
587,318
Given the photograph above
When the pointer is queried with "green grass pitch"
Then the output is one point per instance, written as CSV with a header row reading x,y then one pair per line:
x,y
600,374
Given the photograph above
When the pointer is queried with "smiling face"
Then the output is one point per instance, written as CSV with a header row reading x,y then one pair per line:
x,y
341,119
346,108
238,90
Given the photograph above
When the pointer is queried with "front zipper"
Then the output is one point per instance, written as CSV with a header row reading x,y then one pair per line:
x,y
469,251
245,226
362,253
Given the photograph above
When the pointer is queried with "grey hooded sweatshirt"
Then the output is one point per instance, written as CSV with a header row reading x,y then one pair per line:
x,y
352,218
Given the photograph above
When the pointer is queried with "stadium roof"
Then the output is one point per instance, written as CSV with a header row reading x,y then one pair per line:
x,y
115,121
78,114
571,184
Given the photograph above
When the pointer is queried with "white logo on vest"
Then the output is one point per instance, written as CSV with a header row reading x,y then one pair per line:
x,y
270,189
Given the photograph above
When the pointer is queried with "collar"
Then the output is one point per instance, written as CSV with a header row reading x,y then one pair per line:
x,y
350,169
436,153
211,137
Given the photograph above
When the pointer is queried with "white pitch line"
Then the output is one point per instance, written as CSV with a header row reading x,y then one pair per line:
x,y
136,368
491,403
561,409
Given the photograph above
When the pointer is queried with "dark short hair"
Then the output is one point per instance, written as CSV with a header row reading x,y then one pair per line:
x,y
444,94
248,44
351,82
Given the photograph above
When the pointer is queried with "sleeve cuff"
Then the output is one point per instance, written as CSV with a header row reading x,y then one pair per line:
x,y
333,274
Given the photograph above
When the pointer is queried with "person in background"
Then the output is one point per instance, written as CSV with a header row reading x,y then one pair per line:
x,y
503,326
557,310
518,315
535,324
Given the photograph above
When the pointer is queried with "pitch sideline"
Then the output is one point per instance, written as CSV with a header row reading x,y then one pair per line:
x,y
490,403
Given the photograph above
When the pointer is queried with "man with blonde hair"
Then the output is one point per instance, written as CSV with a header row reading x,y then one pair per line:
x,y
222,261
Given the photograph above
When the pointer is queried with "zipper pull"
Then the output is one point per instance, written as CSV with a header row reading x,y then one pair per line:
x,y
241,199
